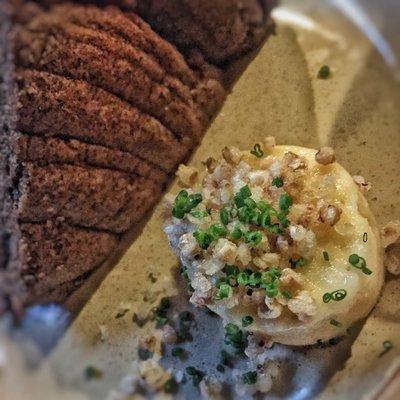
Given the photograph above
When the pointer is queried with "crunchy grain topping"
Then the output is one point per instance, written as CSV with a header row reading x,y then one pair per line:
x,y
269,143
325,156
303,305
362,184
168,334
187,175
254,232
232,155
330,214
211,388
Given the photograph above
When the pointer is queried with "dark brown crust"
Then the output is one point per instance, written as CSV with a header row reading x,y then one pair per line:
x,y
55,150
52,105
55,53
89,197
96,112
221,29
95,119
55,254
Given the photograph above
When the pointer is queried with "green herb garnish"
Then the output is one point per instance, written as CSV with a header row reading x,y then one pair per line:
x,y
224,215
287,294
277,181
184,203
224,292
324,72
91,372
236,233
226,358
195,374
220,368
244,193
253,238
326,255
301,262
249,378
204,239
359,262
365,237
235,337
170,386
160,313
243,278
247,320
185,321
199,214
337,295
177,352
214,232
285,201
257,151
231,270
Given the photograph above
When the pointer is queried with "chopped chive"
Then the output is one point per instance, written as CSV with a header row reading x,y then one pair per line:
x,y
243,194
336,295
195,374
203,239
177,352
160,312
224,292
249,378
217,231
365,237
326,255
199,214
231,270
91,372
335,323
287,294
253,238
354,259
184,203
247,320
185,320
359,262
170,386
271,275
220,368
285,201
301,262
226,358
235,337
283,220
257,151
243,278
271,289
324,72
236,233
224,216
277,181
